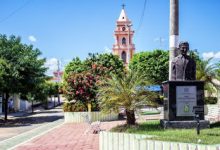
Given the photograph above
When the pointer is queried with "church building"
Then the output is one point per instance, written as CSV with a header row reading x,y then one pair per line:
x,y
123,46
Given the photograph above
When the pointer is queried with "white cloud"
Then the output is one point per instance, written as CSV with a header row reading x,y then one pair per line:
x,y
207,55
52,65
32,38
107,50
217,55
159,39
66,61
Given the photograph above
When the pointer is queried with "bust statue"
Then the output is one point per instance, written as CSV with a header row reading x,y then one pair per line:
x,y
183,67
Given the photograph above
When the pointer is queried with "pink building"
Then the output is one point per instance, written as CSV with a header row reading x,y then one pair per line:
x,y
124,46
57,76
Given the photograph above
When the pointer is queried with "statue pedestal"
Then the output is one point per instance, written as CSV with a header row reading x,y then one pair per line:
x,y
180,97
184,124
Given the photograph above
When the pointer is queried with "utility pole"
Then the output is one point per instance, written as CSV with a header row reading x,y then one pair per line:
x,y
59,80
174,31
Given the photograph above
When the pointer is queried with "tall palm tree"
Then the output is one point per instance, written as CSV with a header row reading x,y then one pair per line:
x,y
128,91
206,71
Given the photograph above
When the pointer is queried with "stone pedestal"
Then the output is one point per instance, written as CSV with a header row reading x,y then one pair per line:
x,y
179,99
184,124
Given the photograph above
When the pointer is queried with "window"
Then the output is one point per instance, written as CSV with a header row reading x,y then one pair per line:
x,y
123,56
123,40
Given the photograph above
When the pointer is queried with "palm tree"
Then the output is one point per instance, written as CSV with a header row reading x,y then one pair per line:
x,y
206,71
126,91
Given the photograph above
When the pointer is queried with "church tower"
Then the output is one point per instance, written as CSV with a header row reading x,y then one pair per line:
x,y
124,46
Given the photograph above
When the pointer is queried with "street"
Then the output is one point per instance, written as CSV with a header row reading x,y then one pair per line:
x,y
25,126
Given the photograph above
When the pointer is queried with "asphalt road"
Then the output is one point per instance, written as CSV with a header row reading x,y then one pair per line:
x,y
21,123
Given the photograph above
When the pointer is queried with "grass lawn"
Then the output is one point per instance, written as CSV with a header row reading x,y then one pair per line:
x,y
207,136
150,112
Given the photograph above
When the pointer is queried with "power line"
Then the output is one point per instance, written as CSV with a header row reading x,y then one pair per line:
x,y
142,17
15,11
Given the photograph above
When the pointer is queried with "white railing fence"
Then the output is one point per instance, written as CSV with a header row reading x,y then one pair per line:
x,y
78,117
125,141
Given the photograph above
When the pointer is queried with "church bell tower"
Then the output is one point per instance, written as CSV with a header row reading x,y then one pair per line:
x,y
123,34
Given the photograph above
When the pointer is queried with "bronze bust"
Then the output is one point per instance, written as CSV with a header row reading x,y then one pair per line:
x,y
183,67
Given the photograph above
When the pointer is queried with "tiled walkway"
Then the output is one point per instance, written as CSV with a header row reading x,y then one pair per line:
x,y
68,137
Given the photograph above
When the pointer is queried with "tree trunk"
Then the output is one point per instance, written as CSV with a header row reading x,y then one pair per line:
x,y
58,99
130,117
46,104
54,103
6,105
51,101
32,106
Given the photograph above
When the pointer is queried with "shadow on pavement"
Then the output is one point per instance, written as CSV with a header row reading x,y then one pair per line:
x,y
28,121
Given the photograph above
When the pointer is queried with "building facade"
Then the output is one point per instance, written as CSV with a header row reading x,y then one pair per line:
x,y
123,46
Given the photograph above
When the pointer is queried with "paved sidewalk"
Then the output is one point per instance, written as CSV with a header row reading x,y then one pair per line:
x,y
18,124
23,137
70,136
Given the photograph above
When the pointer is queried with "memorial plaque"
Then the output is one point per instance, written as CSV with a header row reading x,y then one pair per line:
x,y
186,99
198,109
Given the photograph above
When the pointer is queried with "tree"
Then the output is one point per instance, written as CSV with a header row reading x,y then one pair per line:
x,y
81,77
81,87
126,91
76,65
53,90
154,65
39,94
21,65
207,72
110,63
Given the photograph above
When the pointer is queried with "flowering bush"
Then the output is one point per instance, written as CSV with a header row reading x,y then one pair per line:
x,y
81,86
81,78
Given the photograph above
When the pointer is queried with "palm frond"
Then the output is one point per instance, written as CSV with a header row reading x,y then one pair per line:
x,y
127,91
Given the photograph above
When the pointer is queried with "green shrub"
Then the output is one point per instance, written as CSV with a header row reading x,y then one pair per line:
x,y
66,107
74,107
211,100
95,105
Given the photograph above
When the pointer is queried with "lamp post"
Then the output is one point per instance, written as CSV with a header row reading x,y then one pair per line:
x,y
128,54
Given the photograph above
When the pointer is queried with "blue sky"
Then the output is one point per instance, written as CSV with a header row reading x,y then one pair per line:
x,y
64,29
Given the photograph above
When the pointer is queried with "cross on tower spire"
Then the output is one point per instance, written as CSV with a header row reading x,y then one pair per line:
x,y
123,6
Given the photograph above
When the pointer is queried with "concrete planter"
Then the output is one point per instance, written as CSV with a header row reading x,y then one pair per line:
x,y
77,117
205,110
125,141
211,109
212,113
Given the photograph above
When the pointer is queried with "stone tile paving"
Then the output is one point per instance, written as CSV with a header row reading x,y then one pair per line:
x,y
70,136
